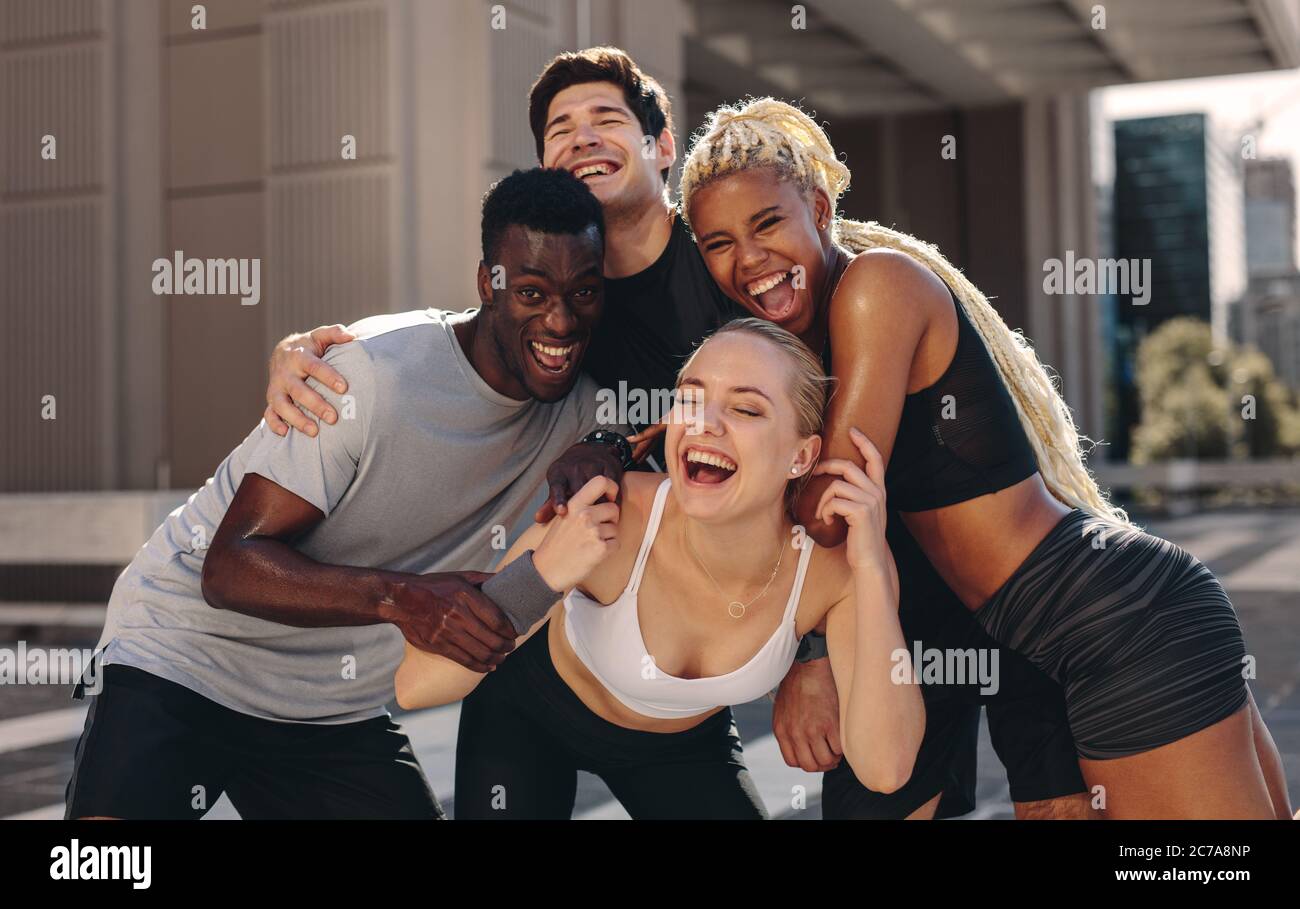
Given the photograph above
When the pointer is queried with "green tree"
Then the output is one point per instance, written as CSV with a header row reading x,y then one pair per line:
x,y
1207,400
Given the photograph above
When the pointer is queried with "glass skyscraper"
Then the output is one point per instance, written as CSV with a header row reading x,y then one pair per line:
x,y
1178,205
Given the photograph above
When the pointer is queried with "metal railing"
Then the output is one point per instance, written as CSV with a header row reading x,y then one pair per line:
x,y
107,528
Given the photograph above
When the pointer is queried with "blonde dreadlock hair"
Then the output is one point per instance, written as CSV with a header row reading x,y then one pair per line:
x,y
764,132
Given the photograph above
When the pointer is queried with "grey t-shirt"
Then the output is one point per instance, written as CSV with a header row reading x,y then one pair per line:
x,y
427,470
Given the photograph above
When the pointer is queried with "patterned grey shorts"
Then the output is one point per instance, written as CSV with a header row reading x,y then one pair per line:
x,y
1140,634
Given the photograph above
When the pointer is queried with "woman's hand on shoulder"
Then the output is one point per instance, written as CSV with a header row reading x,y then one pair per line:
x,y
582,538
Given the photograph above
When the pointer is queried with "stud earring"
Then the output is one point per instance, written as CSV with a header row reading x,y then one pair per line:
x,y
794,469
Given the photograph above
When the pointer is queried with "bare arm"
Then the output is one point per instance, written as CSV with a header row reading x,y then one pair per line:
x,y
882,715
881,710
806,717
253,568
882,308
429,680
565,551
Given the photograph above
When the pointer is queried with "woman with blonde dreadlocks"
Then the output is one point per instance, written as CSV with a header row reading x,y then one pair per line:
x,y
985,465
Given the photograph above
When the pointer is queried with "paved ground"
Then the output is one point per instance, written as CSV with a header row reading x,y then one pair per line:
x,y
1256,554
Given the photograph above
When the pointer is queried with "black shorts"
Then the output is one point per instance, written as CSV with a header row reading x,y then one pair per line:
x,y
945,766
152,749
1027,719
1140,635
524,735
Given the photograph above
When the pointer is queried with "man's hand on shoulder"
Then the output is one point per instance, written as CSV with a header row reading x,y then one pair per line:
x,y
294,359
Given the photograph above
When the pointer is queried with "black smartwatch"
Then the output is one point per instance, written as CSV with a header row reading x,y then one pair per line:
x,y
812,646
622,447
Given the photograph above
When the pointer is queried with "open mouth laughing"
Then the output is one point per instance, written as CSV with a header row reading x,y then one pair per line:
x,y
554,359
774,294
591,171
707,467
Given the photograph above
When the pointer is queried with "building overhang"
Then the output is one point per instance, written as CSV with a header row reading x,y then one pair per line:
x,y
865,57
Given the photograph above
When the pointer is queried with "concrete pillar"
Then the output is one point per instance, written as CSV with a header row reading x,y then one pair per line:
x,y
137,210
214,166
1060,221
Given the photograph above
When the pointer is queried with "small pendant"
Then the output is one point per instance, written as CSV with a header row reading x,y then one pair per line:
x,y
735,609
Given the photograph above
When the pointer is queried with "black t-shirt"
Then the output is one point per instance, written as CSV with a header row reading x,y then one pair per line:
x,y
655,318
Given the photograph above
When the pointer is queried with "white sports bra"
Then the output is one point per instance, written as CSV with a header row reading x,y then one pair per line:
x,y
608,641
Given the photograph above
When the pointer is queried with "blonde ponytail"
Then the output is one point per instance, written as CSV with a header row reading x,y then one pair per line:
x,y
768,133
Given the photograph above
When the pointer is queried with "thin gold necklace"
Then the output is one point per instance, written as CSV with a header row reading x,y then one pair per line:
x,y
735,608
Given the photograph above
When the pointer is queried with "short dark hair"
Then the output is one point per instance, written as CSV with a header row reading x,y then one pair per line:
x,y
646,97
549,200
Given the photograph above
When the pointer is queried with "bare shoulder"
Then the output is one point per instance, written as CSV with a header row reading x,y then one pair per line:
x,y
607,581
639,490
832,571
878,278
829,580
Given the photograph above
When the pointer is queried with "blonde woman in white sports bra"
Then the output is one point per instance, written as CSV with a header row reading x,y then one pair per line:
x,y
689,596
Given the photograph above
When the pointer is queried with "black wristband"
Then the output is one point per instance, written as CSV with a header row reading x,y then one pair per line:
x,y
812,646
521,592
622,447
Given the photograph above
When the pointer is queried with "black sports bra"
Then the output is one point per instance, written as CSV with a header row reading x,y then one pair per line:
x,y
961,437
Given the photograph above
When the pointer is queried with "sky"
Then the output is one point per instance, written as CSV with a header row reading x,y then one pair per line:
x,y
1233,103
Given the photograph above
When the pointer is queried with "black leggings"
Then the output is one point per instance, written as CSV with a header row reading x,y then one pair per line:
x,y
524,735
